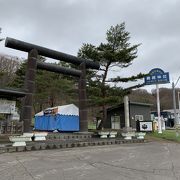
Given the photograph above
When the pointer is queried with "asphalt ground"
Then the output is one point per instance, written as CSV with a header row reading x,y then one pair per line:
x,y
152,161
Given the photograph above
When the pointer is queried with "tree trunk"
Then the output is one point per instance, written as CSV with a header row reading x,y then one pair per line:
x,y
104,115
103,91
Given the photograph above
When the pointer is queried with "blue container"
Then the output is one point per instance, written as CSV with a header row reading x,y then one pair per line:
x,y
57,122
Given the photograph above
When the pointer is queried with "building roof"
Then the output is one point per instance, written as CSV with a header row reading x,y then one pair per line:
x,y
171,111
131,103
141,104
11,93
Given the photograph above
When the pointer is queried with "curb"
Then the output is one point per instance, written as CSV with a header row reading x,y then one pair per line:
x,y
65,144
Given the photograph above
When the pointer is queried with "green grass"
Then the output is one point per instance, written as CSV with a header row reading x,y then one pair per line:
x,y
167,134
91,125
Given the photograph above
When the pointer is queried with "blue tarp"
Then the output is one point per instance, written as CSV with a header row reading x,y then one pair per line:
x,y
57,122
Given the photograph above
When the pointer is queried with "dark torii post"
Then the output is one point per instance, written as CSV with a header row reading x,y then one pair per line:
x,y
82,88
83,99
85,63
26,113
12,93
26,47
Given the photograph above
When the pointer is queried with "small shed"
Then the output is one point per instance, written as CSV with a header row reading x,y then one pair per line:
x,y
137,111
61,118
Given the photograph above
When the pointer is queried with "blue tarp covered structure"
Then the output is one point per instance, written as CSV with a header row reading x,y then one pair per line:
x,y
62,118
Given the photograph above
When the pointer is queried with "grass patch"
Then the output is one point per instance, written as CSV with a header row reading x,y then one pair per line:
x,y
91,125
167,135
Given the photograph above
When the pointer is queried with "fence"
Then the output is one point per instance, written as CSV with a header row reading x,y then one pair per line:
x,y
12,127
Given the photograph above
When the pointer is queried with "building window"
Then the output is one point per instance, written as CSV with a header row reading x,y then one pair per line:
x,y
139,117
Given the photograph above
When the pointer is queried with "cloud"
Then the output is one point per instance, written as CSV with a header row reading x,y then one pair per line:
x,y
65,25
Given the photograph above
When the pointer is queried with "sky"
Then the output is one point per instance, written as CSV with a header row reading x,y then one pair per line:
x,y
64,25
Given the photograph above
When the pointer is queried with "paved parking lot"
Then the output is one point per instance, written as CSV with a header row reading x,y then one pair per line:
x,y
154,160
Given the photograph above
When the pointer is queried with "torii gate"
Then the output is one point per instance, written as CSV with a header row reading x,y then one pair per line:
x,y
32,65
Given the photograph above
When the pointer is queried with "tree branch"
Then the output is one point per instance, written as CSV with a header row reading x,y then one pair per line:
x,y
132,78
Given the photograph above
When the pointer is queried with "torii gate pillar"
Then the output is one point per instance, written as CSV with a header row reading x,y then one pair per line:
x,y
83,99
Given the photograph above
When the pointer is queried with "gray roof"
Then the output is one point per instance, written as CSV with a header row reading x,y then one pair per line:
x,y
132,103
11,93
141,104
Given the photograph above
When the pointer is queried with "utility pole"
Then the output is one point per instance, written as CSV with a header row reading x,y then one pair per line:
x,y
176,120
179,105
158,110
174,104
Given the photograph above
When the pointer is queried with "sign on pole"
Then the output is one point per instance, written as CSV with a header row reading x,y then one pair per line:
x,y
157,76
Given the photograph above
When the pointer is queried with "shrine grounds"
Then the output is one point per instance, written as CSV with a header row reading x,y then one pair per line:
x,y
151,160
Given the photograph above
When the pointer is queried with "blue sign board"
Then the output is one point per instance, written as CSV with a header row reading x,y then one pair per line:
x,y
156,76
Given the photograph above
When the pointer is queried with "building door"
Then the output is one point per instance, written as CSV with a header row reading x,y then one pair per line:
x,y
115,122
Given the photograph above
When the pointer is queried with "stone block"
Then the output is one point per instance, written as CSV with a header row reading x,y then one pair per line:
x,y
112,134
43,146
103,134
50,146
112,142
36,147
96,143
66,145
28,148
63,145
20,148
89,136
56,145
73,145
140,135
40,136
3,150
11,149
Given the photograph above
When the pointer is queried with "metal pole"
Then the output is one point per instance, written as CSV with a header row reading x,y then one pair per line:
x,y
179,107
174,104
158,109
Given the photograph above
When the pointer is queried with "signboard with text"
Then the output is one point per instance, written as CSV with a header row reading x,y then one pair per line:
x,y
7,107
156,76
145,126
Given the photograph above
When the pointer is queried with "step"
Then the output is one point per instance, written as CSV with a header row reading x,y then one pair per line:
x,y
76,135
61,144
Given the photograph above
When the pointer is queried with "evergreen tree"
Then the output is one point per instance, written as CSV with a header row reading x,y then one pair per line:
x,y
52,89
116,53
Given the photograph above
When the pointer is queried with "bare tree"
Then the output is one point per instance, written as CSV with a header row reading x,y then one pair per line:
x,y
8,67
1,39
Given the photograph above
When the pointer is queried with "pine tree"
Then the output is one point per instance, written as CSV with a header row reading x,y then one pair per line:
x,y
52,89
117,52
